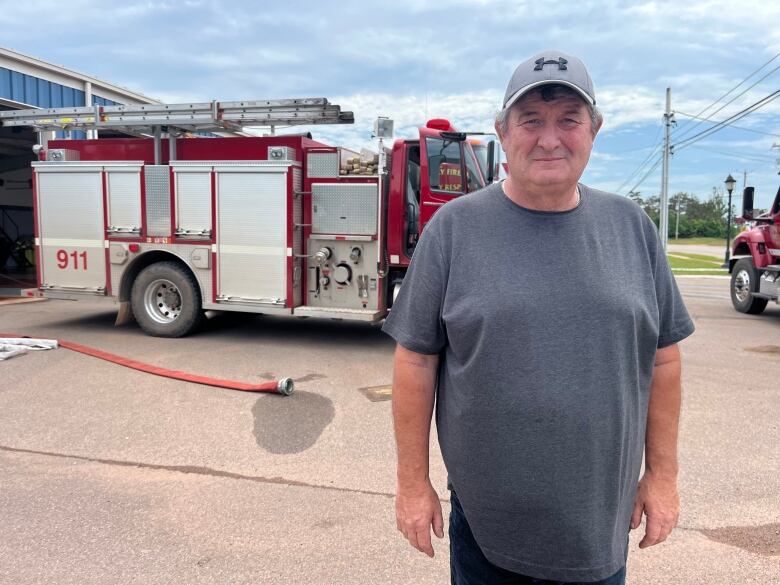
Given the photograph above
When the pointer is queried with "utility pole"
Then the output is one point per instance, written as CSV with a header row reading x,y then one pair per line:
x,y
677,224
668,119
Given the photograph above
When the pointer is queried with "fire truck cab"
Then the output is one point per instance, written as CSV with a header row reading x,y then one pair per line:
x,y
755,260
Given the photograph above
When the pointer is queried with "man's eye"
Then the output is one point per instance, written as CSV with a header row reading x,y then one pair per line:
x,y
533,122
570,122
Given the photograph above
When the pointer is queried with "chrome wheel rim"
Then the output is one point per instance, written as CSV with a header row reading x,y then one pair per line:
x,y
162,301
742,286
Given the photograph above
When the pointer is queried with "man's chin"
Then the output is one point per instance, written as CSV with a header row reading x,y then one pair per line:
x,y
551,181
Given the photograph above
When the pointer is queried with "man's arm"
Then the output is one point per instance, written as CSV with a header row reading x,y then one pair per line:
x,y
657,493
417,505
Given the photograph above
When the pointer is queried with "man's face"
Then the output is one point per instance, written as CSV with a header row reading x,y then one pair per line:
x,y
547,144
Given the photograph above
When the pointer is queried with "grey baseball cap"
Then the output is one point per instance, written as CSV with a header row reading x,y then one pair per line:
x,y
546,68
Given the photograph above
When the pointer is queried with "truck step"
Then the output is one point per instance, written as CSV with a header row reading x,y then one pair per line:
x,y
370,315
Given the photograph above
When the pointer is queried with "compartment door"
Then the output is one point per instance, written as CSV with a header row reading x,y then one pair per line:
x,y
252,242
71,229
123,186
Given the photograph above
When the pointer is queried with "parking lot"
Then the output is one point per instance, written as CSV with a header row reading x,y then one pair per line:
x,y
110,475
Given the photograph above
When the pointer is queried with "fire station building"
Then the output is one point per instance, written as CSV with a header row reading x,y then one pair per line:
x,y
28,82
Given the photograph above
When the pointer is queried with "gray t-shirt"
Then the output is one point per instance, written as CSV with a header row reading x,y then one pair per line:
x,y
547,325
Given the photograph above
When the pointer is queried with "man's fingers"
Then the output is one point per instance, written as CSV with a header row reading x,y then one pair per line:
x,y
420,539
653,532
636,517
411,536
661,529
438,522
423,539
416,514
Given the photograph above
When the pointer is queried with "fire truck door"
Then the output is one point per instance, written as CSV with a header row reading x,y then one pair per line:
x,y
252,234
442,173
71,228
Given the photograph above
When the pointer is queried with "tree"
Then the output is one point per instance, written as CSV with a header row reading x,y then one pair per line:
x,y
697,218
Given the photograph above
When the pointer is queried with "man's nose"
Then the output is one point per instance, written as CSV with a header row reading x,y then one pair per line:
x,y
548,137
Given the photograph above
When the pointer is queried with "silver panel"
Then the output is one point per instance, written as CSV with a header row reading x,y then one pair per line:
x,y
182,251
124,201
70,215
769,287
118,253
322,165
298,266
193,203
252,235
201,257
344,208
158,200
62,154
350,295
281,153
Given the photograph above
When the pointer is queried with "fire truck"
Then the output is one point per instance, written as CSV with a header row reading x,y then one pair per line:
x,y
169,219
755,261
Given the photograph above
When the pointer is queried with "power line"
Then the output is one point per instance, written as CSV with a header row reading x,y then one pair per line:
x,y
647,174
709,116
641,166
732,100
726,122
644,162
732,125
749,157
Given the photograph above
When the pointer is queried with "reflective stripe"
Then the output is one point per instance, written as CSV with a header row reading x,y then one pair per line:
x,y
68,243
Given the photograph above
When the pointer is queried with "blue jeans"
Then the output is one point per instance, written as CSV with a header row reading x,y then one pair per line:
x,y
468,565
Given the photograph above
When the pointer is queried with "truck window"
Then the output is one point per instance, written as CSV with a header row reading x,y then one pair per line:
x,y
474,179
445,165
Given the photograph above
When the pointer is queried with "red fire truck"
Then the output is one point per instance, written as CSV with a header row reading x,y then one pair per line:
x,y
755,259
172,223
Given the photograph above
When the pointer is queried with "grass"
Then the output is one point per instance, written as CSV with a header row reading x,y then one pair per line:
x,y
695,264
701,241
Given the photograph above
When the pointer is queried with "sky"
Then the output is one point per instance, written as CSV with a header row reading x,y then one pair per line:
x,y
412,60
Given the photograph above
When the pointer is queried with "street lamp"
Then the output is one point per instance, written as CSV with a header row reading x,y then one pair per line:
x,y
730,183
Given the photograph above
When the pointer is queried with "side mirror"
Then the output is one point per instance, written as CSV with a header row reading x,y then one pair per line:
x,y
491,164
747,202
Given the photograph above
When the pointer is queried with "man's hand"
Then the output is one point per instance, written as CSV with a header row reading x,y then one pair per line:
x,y
657,497
416,510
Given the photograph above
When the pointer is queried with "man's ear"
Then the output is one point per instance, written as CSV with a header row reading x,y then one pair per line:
x,y
499,133
599,124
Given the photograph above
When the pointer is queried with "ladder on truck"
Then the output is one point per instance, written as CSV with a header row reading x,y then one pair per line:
x,y
152,120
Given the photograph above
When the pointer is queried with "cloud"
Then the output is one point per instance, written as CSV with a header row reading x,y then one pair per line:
x,y
418,59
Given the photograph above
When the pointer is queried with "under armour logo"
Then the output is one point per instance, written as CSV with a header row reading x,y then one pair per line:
x,y
540,63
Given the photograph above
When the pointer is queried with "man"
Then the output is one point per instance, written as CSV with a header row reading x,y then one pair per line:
x,y
542,317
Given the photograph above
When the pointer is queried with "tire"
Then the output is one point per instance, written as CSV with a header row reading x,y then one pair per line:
x,y
166,300
744,280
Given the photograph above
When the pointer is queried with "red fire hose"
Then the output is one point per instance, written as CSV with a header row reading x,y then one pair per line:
x,y
285,386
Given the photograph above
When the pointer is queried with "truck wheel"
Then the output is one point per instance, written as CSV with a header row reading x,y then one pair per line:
x,y
166,300
744,280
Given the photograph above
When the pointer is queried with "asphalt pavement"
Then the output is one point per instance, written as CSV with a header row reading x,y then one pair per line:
x,y
110,475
